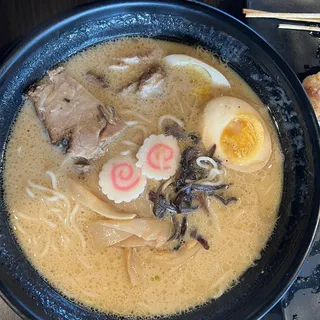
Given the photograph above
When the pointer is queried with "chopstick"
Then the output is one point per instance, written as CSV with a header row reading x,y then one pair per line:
x,y
308,17
303,17
298,27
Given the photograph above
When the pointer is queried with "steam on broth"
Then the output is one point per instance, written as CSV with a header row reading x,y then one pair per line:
x,y
156,190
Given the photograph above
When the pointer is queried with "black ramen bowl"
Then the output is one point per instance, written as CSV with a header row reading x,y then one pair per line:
x,y
256,62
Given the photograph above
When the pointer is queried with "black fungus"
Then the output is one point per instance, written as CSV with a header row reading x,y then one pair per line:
x,y
195,235
160,205
187,170
211,153
210,190
189,155
194,138
152,196
184,189
182,233
159,209
184,225
187,210
183,201
176,131
183,196
225,201
178,246
176,228
188,195
203,201
200,187
203,242
179,133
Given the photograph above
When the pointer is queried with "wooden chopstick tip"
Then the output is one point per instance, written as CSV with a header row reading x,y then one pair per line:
x,y
298,27
307,17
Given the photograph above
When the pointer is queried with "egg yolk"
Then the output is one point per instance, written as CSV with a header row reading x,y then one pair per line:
x,y
242,138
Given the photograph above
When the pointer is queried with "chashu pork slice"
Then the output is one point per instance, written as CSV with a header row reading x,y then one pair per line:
x,y
73,117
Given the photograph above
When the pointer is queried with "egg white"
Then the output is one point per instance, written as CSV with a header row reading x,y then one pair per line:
x,y
216,116
217,77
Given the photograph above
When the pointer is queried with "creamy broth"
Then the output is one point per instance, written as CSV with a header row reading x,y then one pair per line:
x,y
97,277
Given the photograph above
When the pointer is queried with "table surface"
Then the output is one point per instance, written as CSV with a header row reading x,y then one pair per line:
x,y
17,17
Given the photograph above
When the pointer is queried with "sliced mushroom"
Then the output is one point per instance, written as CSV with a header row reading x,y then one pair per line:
x,y
134,242
106,237
134,265
148,229
177,259
82,195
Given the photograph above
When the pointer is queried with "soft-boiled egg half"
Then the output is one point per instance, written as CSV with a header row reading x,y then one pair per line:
x,y
217,78
239,132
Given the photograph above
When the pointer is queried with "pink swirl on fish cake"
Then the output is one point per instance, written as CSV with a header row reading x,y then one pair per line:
x,y
155,152
119,174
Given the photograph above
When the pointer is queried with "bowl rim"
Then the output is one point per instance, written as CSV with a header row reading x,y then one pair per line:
x,y
48,27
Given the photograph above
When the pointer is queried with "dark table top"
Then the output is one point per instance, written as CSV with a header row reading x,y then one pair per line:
x,y
17,17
